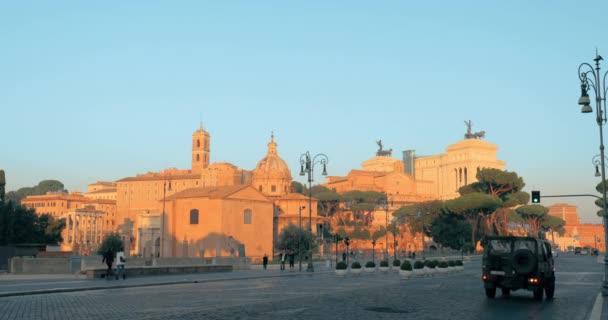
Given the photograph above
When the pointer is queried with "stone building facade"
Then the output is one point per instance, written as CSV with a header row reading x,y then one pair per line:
x,y
577,234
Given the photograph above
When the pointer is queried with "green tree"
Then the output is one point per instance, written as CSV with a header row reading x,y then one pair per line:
x,y
328,200
451,231
297,187
501,184
418,215
600,202
473,207
112,241
19,225
534,216
554,224
296,240
42,188
362,204
49,229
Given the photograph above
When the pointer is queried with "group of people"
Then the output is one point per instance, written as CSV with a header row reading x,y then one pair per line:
x,y
109,257
283,256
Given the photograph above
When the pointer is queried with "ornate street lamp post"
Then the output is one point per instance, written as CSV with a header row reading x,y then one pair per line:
x,y
591,79
166,187
307,166
300,236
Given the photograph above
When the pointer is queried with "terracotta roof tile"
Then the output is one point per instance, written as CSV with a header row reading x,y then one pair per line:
x,y
208,192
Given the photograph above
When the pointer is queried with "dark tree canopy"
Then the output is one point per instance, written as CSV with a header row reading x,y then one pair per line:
x,y
495,182
362,204
535,216
297,187
451,231
600,202
419,214
329,200
112,241
42,188
19,225
473,207
293,239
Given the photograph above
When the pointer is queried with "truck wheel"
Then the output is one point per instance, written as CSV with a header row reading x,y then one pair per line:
x,y
491,292
538,294
550,290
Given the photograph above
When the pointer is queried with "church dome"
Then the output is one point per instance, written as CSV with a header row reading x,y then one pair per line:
x,y
272,175
272,166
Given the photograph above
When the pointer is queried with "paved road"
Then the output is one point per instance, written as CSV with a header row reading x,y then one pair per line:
x,y
321,296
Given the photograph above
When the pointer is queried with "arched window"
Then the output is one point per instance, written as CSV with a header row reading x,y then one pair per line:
x,y
198,157
247,216
198,143
194,216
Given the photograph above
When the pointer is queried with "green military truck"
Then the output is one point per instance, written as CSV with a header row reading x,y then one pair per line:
x,y
513,263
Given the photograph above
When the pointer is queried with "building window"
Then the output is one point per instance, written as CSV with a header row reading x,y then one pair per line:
x,y
198,157
273,188
198,143
247,216
194,216
260,188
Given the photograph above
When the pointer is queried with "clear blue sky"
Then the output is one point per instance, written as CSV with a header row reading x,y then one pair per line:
x,y
104,90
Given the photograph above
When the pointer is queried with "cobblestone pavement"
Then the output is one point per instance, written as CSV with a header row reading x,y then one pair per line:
x,y
321,296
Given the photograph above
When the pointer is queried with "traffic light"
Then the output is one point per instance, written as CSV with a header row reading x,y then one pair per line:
x,y
535,196
346,241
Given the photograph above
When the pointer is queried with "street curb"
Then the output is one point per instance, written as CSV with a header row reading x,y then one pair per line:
x,y
63,290
596,312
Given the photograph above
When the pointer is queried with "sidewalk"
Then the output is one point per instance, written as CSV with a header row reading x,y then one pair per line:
x,y
19,285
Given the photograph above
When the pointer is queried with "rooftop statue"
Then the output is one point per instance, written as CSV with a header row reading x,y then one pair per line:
x,y
470,135
383,152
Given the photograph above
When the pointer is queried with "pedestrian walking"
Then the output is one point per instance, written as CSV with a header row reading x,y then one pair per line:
x,y
265,261
344,256
108,258
120,265
283,260
292,259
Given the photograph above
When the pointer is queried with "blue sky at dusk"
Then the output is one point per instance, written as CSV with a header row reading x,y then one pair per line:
x,y
99,91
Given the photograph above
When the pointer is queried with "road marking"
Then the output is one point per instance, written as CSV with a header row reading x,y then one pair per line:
x,y
596,312
565,283
578,273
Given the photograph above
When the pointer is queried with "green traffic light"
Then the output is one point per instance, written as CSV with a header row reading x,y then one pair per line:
x,y
535,196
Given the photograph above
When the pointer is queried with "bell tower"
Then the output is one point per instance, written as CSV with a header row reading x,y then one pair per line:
x,y
200,149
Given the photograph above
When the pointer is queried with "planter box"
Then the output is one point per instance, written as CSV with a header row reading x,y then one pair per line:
x,y
341,273
383,269
419,272
443,270
370,270
356,271
405,274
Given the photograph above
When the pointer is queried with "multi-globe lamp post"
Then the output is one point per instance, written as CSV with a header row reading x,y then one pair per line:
x,y
300,236
307,166
591,78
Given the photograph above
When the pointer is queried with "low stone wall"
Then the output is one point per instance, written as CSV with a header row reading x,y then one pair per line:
x,y
64,265
157,270
31,265
93,262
